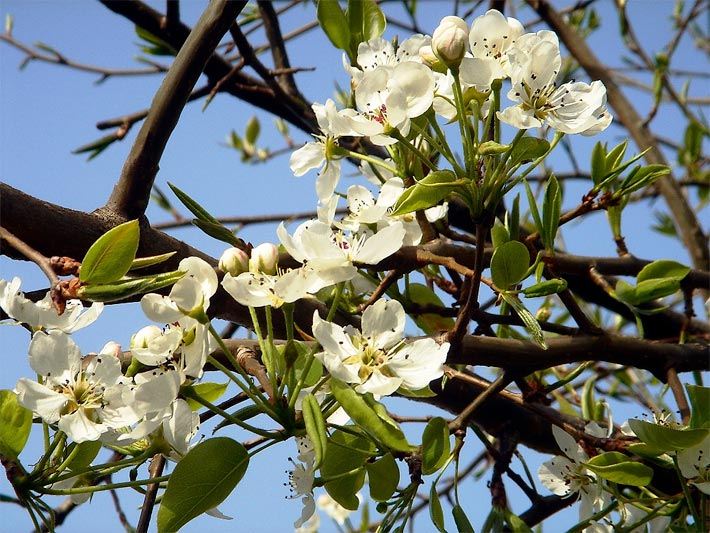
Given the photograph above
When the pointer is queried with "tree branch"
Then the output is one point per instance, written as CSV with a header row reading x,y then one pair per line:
x,y
690,230
131,194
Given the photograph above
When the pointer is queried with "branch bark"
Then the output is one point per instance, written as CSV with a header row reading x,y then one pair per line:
x,y
689,227
131,194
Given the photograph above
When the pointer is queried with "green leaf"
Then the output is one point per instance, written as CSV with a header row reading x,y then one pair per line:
x,y
207,391
499,235
194,208
617,468
492,148
515,523
144,262
533,207
366,21
344,453
201,481
94,148
509,264
663,268
527,317
315,372
699,399
218,231
86,453
544,288
111,292
528,149
652,289
429,323
427,192
110,257
365,416
15,425
436,513
463,524
315,427
332,19
383,477
158,46
251,134
551,209
598,166
436,446
613,158
665,438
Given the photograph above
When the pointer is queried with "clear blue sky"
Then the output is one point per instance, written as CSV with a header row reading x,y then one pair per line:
x,y
47,111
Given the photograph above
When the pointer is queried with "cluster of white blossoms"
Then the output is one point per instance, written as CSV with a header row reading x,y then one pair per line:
x,y
99,397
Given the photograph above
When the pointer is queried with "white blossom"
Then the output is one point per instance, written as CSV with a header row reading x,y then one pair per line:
x,y
574,107
388,97
380,52
330,254
565,475
301,479
42,314
321,153
84,401
259,290
333,509
491,36
694,464
377,360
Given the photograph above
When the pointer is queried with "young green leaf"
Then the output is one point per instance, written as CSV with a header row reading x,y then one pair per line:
x,y
617,468
436,513
111,256
207,391
315,427
436,446
15,425
665,438
194,208
499,234
427,192
463,524
219,232
545,288
251,134
83,456
509,264
345,453
551,209
333,22
365,416
663,268
119,290
144,262
383,477
201,481
527,317
533,208
598,166
527,149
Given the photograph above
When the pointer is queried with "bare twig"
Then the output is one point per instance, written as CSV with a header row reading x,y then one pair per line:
x,y
156,470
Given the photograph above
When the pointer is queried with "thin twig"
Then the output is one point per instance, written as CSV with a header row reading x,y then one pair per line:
x,y
156,470
30,253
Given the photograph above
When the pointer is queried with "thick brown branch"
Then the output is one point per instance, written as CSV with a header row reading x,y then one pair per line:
x,y
131,194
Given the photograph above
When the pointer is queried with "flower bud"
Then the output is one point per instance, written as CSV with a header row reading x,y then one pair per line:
x,y
144,336
429,58
450,39
264,258
234,261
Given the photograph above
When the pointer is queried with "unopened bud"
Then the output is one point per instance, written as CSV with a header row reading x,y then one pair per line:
x,y
234,261
264,258
450,39
429,58
144,336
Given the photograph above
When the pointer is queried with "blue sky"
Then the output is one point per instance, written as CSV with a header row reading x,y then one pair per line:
x,y
47,111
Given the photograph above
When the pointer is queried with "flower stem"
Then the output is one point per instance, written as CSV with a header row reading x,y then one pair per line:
x,y
372,161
